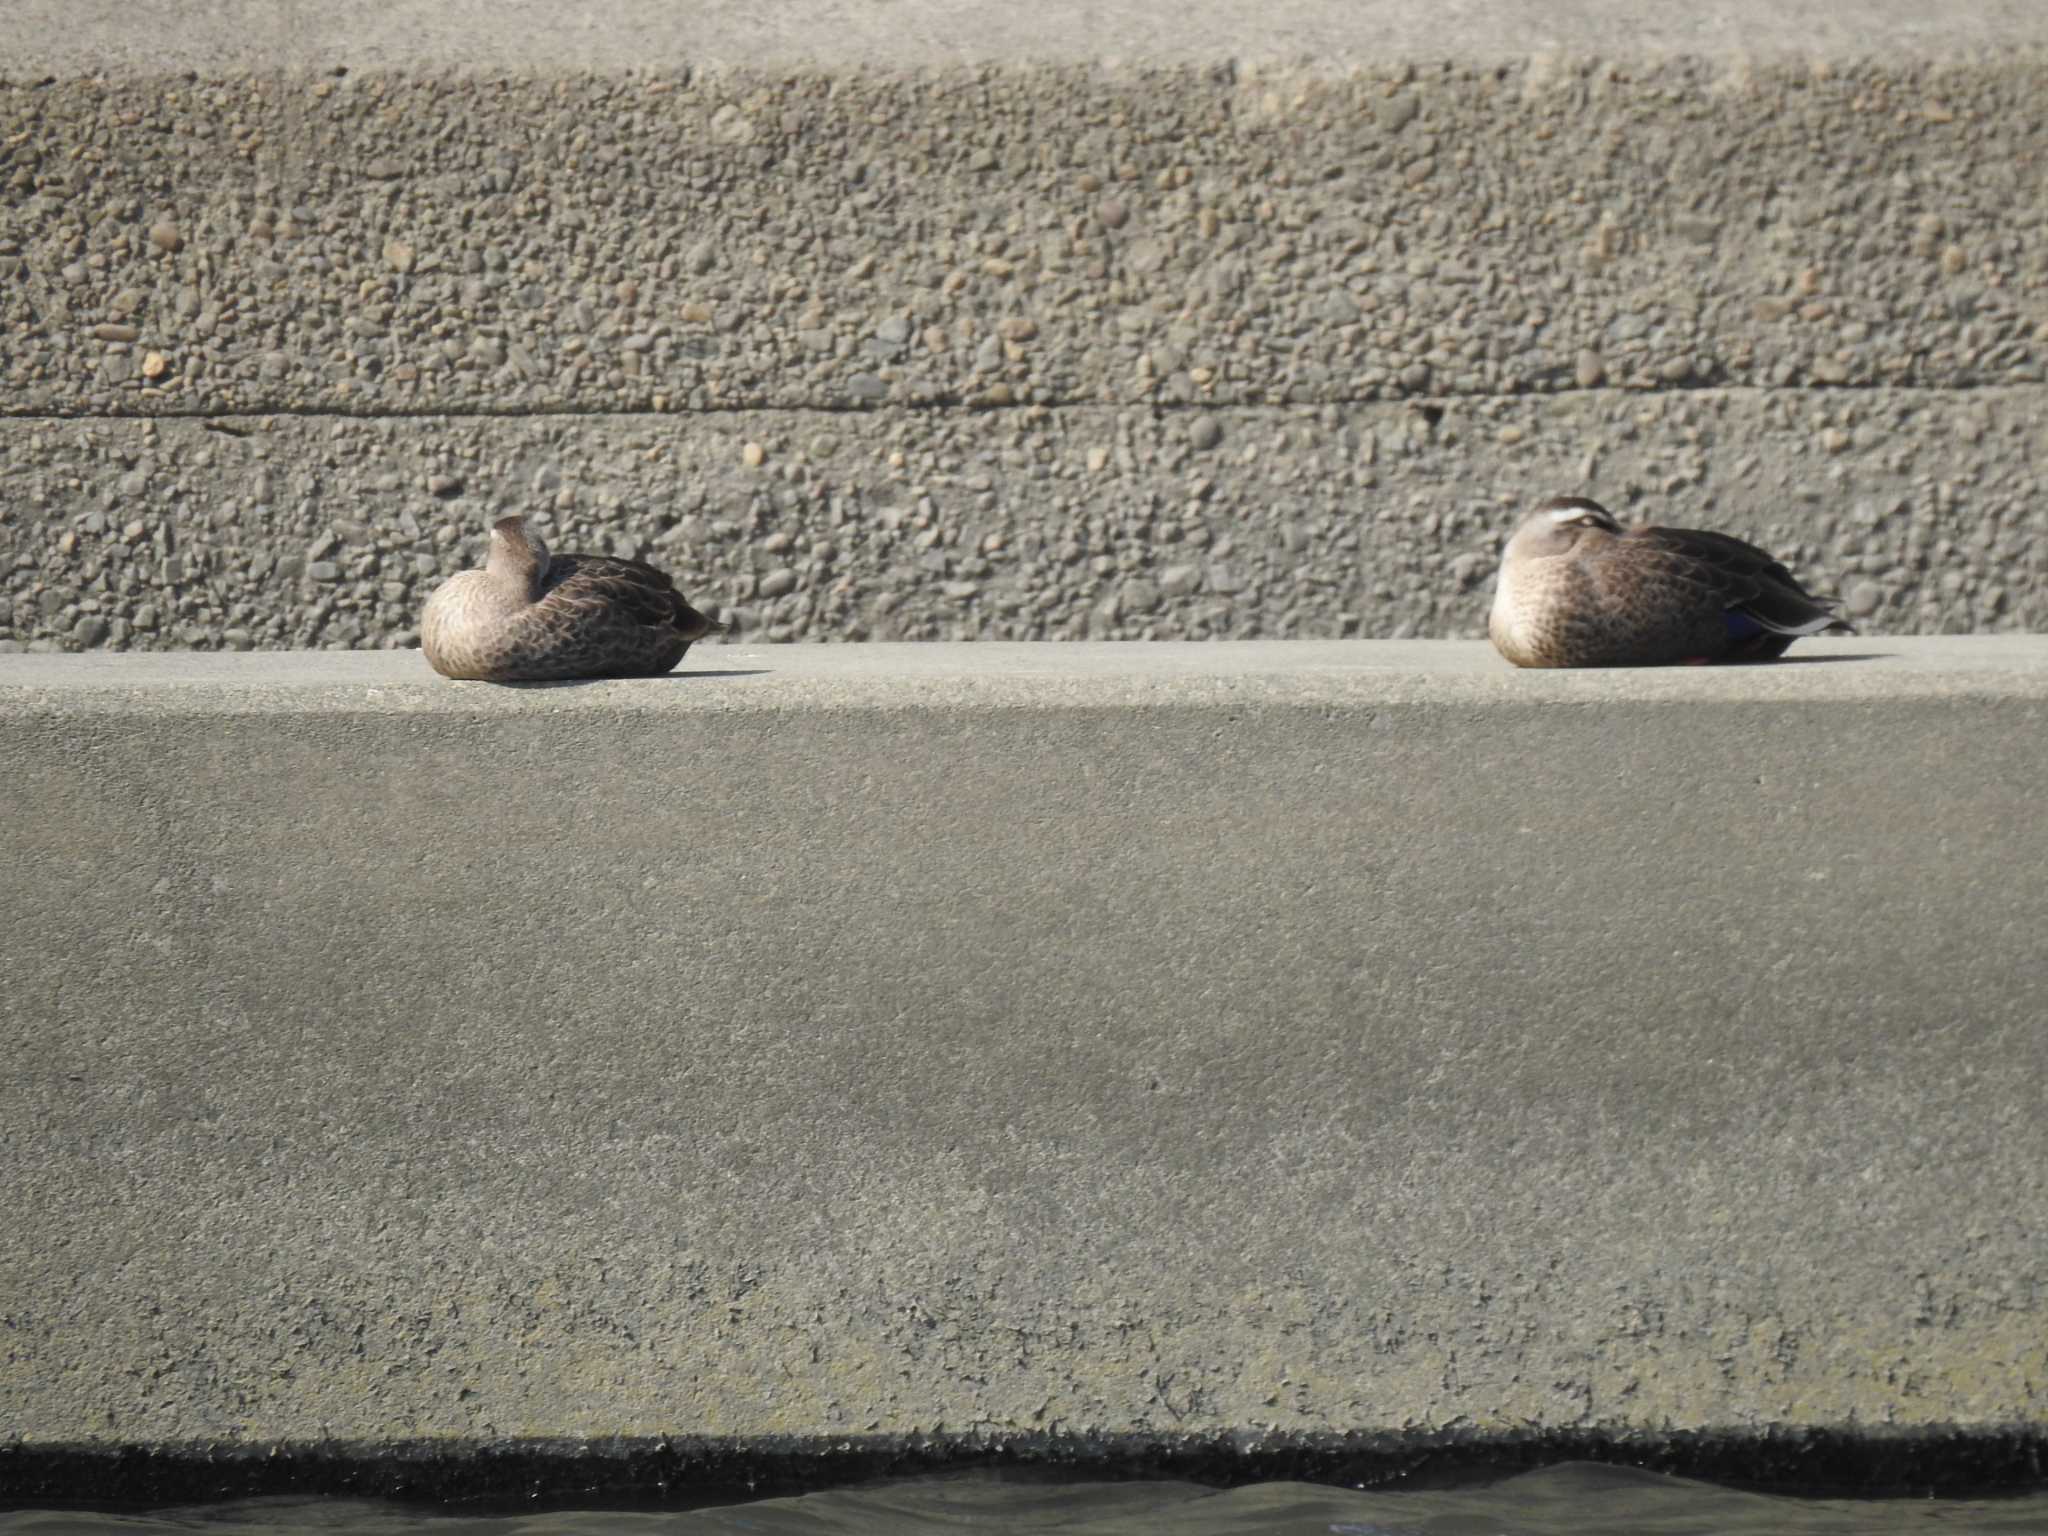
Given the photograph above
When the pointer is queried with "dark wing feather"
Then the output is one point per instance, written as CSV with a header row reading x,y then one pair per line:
x,y
631,589
1740,575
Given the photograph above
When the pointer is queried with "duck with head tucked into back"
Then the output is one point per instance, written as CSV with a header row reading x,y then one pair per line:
x,y
1577,589
529,616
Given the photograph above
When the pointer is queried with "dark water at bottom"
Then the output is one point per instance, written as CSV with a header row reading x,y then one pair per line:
x,y
1576,1499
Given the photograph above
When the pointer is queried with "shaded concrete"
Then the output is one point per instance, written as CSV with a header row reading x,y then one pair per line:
x,y
1022,1039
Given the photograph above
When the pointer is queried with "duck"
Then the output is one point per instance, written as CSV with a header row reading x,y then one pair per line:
x,y
531,616
1577,589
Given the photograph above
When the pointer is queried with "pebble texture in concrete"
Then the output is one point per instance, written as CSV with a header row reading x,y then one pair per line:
x,y
1102,314
1924,510
715,239
1023,1039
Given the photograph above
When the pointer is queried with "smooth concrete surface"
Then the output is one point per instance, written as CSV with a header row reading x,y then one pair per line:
x,y
112,36
1022,1038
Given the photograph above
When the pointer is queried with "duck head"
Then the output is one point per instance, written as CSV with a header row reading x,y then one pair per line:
x,y
1556,527
516,556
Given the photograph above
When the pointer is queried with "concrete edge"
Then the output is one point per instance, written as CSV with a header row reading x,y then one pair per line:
x,y
1870,1460
476,36
1056,675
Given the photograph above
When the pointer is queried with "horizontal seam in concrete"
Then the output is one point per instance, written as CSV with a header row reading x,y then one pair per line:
x,y
967,406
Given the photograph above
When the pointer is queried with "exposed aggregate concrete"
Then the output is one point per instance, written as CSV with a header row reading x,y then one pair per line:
x,y
1925,511
1174,352
821,239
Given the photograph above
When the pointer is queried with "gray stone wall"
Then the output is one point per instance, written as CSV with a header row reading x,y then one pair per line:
x,y
1030,351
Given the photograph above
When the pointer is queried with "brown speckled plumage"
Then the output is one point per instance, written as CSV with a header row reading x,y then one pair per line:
x,y
528,616
1576,589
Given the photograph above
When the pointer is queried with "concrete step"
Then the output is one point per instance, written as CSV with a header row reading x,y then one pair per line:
x,y
1024,1040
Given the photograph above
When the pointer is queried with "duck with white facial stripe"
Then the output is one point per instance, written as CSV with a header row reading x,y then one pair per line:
x,y
1577,589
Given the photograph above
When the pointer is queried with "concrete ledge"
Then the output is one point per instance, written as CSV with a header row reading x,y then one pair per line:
x,y
1036,1040
96,37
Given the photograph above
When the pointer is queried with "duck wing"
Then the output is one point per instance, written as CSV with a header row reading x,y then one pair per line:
x,y
1738,575
629,590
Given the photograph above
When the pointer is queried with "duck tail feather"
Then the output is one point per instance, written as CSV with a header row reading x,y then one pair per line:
x,y
1785,608
694,625
1811,626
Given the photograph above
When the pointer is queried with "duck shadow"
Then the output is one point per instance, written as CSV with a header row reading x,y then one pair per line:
x,y
666,677
1808,661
